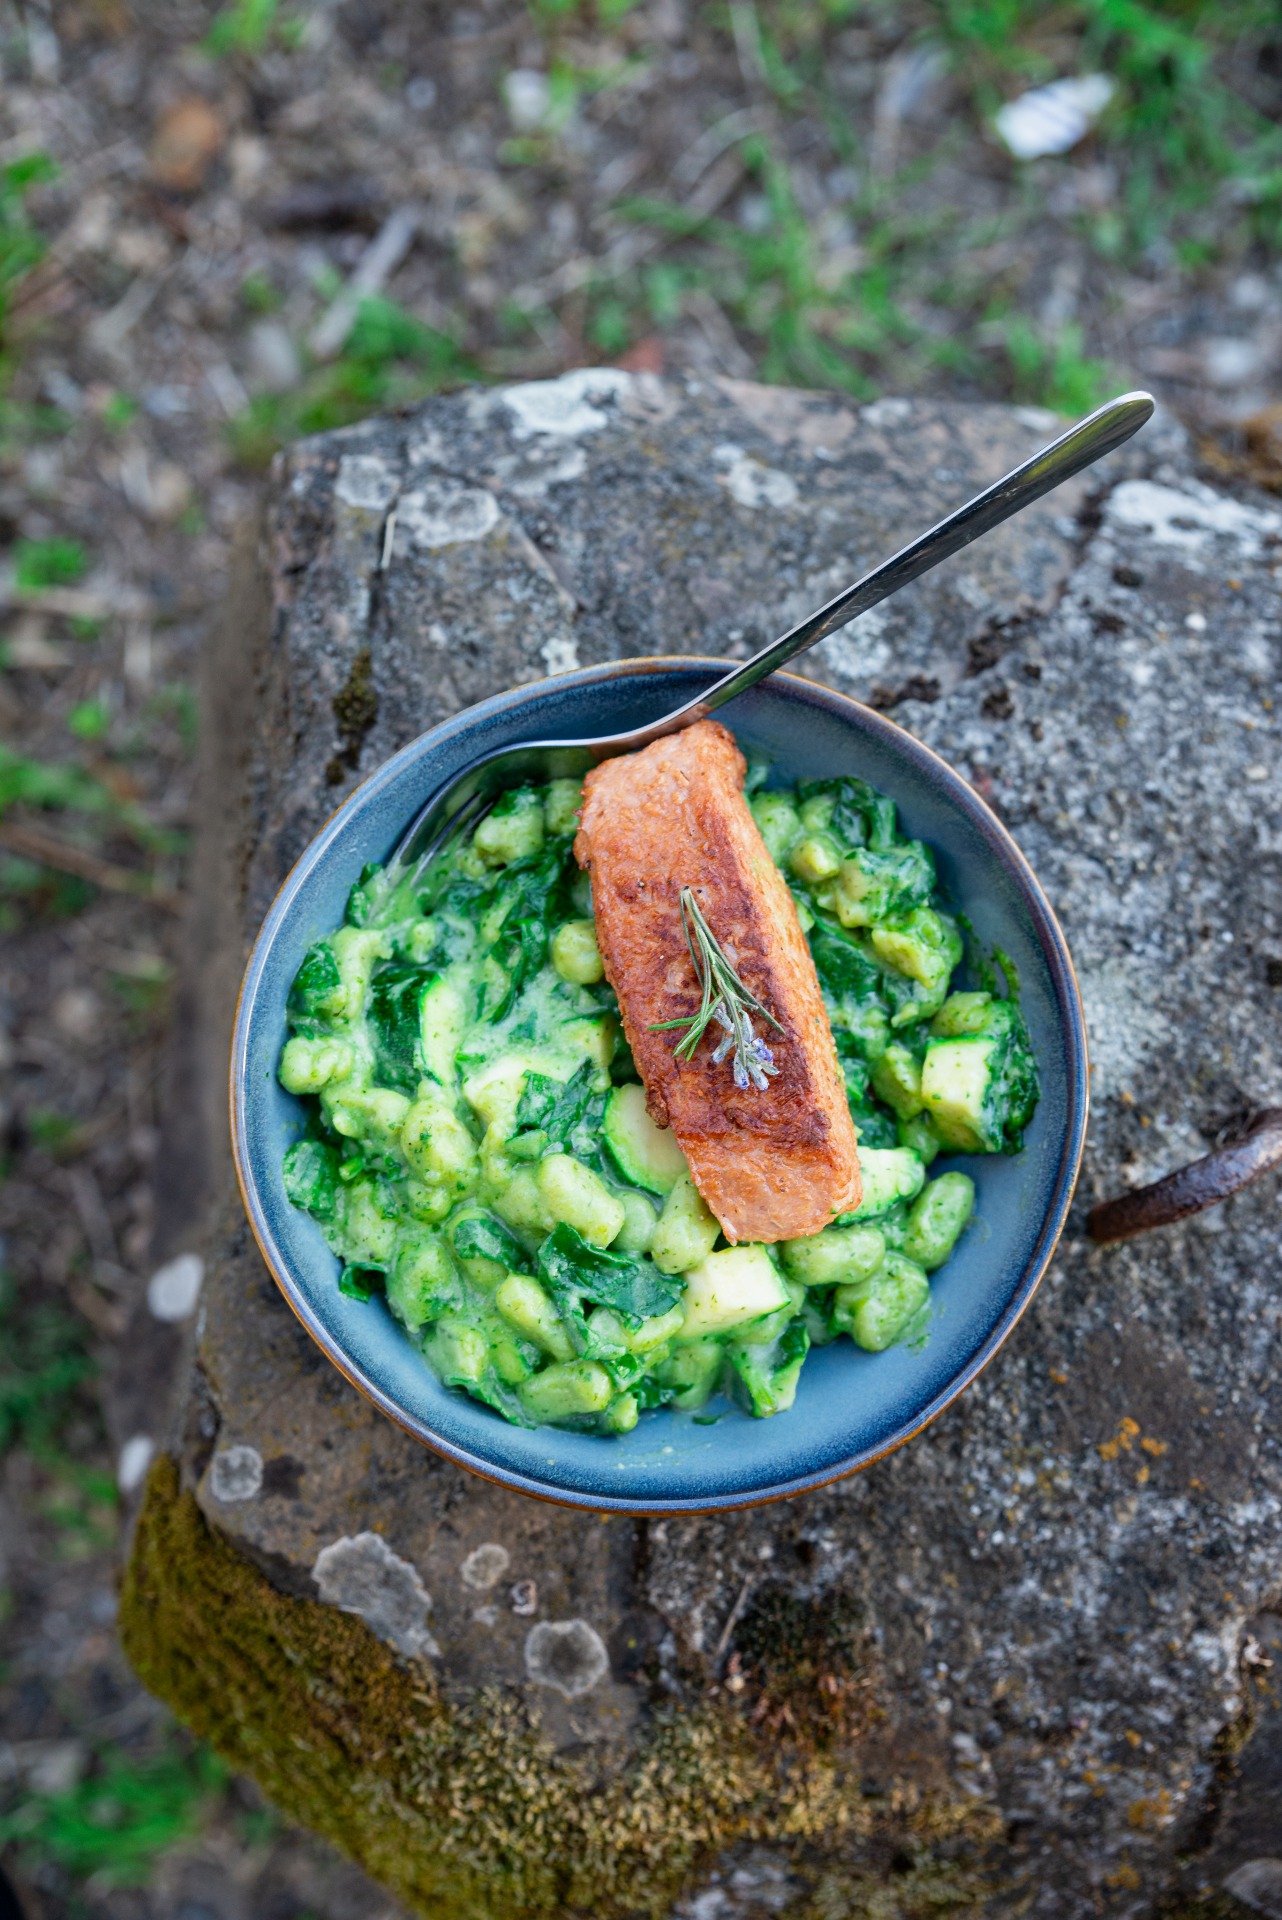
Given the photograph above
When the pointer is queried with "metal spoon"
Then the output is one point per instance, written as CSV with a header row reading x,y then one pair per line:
x,y
463,800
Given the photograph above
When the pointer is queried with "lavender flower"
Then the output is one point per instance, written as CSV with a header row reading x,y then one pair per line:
x,y
726,1001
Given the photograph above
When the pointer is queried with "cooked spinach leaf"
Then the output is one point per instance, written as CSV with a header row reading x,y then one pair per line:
x,y
569,1111
481,1236
311,1175
316,979
574,1272
395,1010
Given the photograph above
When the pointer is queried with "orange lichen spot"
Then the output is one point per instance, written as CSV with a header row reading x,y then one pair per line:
x,y
1132,1738
1058,1376
1122,1440
1156,1447
1234,586
1127,1097
1141,1478
1146,1815
1124,1876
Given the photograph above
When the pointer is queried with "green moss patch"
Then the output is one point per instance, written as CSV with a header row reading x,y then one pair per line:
x,y
466,1812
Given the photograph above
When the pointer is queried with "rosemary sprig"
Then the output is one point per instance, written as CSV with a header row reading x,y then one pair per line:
x,y
725,1000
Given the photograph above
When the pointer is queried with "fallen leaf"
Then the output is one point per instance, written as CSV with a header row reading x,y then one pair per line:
x,y
187,139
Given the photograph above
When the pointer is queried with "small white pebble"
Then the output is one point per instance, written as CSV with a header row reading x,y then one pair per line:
x,y
135,1457
1195,622
236,1474
485,1566
1257,773
173,1290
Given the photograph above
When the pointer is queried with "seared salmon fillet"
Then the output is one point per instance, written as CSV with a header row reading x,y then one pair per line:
x,y
772,1164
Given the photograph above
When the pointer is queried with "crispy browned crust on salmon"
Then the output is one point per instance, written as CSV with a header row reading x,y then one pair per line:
x,y
772,1165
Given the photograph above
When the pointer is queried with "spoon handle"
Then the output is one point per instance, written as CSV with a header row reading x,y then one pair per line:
x,y
1098,434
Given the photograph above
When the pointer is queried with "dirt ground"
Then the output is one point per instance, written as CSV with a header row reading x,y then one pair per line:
x,y
219,229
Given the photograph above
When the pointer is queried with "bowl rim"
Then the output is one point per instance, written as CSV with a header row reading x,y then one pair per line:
x,y
1064,984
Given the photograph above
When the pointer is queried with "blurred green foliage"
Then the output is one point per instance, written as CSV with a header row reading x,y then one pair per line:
x,y
21,246
903,292
389,359
45,1367
250,27
114,1824
38,564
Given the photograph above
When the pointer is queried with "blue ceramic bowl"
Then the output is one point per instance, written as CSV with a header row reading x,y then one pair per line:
x,y
851,1406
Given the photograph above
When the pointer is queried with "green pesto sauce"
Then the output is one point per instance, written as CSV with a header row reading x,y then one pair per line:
x,y
478,1151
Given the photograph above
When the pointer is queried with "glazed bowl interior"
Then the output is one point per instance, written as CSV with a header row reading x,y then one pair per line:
x,y
851,1406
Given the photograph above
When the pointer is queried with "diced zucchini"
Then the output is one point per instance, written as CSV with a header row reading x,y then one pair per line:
x,y
574,1194
592,1039
765,1378
765,1331
692,1371
889,1174
442,1017
923,946
622,1413
835,1257
575,953
896,1079
955,1078
961,1013
873,887
564,1391
646,1155
524,1303
687,1230
728,1289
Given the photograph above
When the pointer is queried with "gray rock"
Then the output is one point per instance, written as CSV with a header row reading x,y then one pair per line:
x,y
1046,1596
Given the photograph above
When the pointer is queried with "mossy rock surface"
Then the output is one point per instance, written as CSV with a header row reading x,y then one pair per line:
x,y
1012,1665
465,1807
